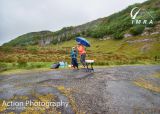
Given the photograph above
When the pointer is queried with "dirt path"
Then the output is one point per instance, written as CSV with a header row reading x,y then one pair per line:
x,y
110,90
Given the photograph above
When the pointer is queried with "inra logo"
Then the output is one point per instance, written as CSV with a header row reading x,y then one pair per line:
x,y
141,16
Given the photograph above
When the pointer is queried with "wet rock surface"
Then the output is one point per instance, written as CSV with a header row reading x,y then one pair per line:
x,y
108,90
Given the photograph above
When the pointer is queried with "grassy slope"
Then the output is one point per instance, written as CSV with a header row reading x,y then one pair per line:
x,y
104,52
122,46
102,49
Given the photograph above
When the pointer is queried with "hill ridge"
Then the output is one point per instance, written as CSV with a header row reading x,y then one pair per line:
x,y
110,26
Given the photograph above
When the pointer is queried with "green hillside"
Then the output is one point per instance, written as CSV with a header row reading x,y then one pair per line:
x,y
114,26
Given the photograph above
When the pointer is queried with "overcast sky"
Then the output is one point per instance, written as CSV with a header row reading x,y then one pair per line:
x,y
18,17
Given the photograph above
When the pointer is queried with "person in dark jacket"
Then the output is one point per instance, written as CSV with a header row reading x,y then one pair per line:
x,y
74,54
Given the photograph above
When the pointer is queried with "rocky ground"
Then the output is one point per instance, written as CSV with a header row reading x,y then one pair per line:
x,y
108,90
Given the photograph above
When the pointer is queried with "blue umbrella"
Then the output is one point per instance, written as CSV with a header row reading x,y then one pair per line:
x,y
83,41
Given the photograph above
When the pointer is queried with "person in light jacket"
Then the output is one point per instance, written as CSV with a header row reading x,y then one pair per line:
x,y
82,52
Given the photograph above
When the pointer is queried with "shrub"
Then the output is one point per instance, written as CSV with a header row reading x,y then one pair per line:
x,y
3,67
22,64
101,63
33,49
157,18
36,65
6,49
118,35
136,30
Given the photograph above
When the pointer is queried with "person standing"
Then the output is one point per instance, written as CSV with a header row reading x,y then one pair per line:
x,y
74,57
82,52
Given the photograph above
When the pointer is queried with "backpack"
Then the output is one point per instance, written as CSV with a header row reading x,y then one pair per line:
x,y
55,66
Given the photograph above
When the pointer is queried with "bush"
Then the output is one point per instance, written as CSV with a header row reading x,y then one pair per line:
x,y
6,49
151,25
33,49
118,35
101,63
35,65
3,67
136,30
157,18
22,64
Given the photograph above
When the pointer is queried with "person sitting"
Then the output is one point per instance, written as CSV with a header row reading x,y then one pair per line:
x,y
74,58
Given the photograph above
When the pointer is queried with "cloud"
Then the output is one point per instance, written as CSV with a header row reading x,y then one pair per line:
x,y
22,16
